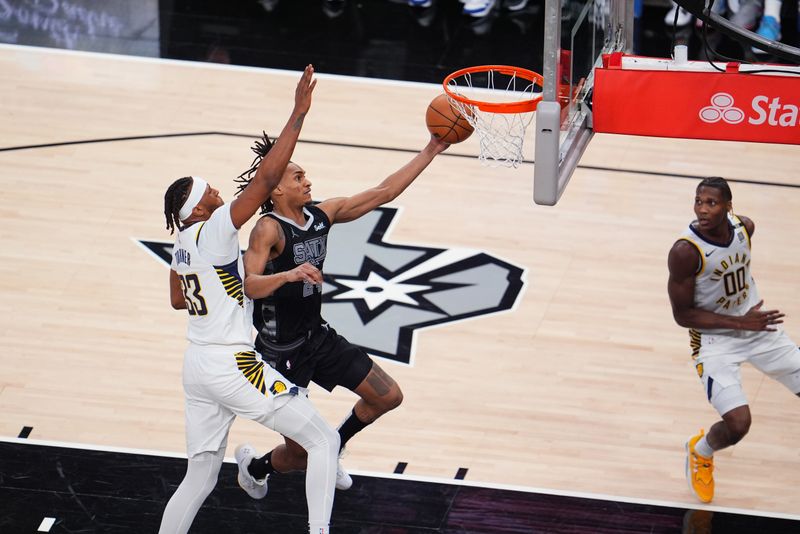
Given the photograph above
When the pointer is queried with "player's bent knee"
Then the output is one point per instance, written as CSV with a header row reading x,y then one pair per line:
x,y
387,402
738,428
395,399
333,440
325,436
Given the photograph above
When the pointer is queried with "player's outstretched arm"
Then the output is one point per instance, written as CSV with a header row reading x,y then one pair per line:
x,y
344,209
683,261
271,168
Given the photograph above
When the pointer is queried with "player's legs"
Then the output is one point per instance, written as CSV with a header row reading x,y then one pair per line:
x,y
718,365
336,362
256,391
300,421
735,425
379,394
349,366
207,426
290,456
722,381
779,358
201,477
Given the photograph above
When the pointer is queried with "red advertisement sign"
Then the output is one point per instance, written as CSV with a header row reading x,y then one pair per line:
x,y
729,106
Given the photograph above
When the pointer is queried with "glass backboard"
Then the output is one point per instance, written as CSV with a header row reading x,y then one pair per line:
x,y
577,33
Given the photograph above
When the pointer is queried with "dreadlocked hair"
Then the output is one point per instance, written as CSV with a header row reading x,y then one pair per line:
x,y
173,200
717,182
261,148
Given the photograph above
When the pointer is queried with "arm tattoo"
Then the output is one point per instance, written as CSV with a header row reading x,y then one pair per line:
x,y
299,122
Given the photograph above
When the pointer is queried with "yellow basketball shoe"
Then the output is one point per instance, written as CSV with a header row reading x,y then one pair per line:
x,y
699,471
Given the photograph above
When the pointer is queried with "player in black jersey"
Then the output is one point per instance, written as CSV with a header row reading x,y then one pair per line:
x,y
283,274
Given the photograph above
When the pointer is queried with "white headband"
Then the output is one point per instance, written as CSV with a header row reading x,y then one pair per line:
x,y
198,190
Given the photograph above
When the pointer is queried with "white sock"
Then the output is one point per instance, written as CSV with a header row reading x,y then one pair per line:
x,y
318,527
703,448
772,8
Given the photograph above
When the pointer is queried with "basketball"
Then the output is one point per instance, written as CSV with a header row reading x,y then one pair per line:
x,y
445,122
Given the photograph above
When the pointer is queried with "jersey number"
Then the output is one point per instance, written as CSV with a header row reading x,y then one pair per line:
x,y
734,282
195,303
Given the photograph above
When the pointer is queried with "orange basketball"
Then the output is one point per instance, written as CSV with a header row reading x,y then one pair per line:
x,y
445,122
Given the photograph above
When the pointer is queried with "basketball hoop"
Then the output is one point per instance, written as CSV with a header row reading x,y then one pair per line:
x,y
498,101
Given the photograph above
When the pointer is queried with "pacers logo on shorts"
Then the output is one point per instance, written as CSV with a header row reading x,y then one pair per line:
x,y
252,368
699,368
277,387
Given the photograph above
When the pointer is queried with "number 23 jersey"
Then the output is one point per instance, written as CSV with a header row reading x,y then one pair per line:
x,y
207,258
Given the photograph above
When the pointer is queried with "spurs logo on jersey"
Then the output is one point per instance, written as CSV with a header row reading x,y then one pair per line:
x,y
379,294
312,251
723,283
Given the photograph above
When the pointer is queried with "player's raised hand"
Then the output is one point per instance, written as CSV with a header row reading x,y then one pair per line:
x,y
437,145
305,273
758,319
302,95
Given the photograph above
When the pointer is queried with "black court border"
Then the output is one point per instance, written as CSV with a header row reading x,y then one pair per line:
x,y
125,491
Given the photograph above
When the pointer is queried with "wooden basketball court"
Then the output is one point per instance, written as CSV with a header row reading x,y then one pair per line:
x,y
586,385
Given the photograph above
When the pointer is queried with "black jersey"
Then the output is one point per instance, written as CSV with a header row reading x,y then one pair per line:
x,y
291,313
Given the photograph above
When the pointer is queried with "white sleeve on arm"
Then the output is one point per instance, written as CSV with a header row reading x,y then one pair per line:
x,y
219,238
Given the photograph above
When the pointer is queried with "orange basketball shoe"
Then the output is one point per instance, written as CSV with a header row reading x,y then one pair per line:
x,y
699,471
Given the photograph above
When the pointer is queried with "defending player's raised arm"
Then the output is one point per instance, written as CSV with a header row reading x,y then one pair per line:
x,y
683,262
272,166
344,209
264,237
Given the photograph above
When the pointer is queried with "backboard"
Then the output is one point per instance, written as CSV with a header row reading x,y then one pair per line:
x,y
577,33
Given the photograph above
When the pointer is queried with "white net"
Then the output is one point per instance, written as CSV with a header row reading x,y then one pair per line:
x,y
501,133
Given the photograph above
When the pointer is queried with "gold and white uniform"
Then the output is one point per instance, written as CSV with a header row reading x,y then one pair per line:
x,y
725,285
223,376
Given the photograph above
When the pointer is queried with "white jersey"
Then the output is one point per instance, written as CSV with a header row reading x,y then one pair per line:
x,y
208,261
723,283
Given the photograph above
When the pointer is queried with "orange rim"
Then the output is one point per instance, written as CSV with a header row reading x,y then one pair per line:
x,y
521,106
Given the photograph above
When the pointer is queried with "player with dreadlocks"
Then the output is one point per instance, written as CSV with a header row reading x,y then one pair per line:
x,y
283,274
222,375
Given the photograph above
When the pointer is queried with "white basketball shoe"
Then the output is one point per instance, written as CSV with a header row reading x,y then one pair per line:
x,y
257,489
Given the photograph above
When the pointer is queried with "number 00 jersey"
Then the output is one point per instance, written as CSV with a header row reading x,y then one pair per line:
x,y
723,283
207,258
293,310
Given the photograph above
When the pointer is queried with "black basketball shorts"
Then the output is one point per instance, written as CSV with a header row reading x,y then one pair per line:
x,y
327,359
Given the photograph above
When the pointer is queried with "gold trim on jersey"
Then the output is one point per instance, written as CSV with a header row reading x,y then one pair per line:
x,y
252,369
232,285
695,342
197,235
700,252
744,230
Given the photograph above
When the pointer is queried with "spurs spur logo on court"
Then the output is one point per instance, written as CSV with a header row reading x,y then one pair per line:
x,y
766,110
379,294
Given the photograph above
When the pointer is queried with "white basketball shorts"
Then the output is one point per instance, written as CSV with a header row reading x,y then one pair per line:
x,y
220,383
720,357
